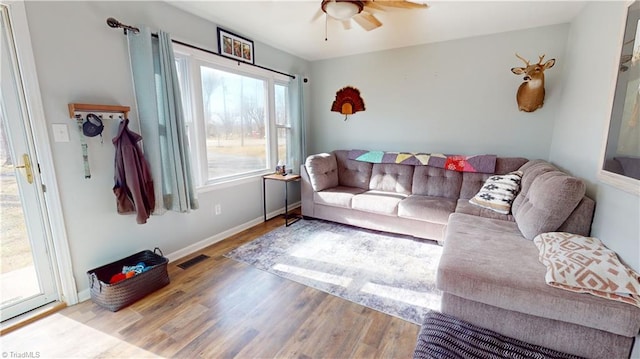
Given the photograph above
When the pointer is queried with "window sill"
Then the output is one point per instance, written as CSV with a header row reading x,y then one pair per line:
x,y
233,182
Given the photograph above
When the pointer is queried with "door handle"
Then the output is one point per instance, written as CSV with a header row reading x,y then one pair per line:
x,y
27,167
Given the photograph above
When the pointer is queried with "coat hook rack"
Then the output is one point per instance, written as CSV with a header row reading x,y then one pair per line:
x,y
76,112
74,108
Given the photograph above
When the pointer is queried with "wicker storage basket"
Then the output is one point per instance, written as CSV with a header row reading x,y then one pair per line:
x,y
118,295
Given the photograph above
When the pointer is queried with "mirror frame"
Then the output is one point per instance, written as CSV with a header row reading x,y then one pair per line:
x,y
622,182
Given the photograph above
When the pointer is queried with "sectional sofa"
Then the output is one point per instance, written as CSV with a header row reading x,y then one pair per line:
x,y
489,272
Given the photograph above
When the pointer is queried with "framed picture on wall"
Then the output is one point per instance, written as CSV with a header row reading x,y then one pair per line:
x,y
235,46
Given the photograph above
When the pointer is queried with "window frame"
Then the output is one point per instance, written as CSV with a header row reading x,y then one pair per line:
x,y
288,126
193,105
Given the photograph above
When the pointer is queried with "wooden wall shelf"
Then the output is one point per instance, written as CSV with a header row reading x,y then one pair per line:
x,y
83,107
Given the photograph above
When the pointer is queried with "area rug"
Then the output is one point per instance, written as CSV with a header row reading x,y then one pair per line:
x,y
393,274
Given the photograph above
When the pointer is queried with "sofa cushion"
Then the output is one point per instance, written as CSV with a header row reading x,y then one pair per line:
x,y
488,261
530,171
352,173
509,164
613,165
498,192
549,202
337,196
465,207
471,184
579,222
323,171
391,177
378,202
630,166
427,208
439,182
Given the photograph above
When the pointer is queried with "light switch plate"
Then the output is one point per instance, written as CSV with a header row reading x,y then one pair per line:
x,y
60,132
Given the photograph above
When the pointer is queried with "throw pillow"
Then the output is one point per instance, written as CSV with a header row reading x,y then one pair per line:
x,y
584,265
498,192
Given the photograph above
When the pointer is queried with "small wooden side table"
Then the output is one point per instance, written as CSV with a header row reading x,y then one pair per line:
x,y
286,179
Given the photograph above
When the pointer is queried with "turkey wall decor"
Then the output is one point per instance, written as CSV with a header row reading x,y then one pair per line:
x,y
348,101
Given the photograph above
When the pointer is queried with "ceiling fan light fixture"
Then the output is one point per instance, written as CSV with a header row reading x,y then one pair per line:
x,y
342,10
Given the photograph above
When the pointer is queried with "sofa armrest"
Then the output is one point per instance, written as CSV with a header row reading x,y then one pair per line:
x,y
306,193
322,170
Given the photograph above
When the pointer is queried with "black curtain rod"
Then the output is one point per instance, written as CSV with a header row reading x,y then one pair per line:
x,y
118,25
217,54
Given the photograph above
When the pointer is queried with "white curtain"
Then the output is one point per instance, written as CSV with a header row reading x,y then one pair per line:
x,y
297,150
161,118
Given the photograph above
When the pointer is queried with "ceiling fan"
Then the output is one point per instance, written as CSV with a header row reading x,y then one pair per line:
x,y
360,11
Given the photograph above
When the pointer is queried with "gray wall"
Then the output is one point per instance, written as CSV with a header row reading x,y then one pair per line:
x,y
80,59
583,118
581,123
455,97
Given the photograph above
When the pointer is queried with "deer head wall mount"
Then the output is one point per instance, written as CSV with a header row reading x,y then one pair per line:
x,y
530,94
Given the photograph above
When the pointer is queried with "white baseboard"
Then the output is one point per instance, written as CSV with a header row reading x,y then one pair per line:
x,y
86,294
211,240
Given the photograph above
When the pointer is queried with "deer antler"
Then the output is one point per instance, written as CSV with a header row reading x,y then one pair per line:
x,y
541,57
523,59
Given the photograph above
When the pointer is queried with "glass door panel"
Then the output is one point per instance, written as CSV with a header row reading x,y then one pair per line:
x,y
26,276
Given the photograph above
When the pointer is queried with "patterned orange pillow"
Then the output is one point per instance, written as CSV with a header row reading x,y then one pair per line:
x,y
584,265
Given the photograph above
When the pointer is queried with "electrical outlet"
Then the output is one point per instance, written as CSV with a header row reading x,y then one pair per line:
x,y
218,209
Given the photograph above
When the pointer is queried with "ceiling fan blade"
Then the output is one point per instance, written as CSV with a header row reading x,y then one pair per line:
x,y
403,4
373,5
367,21
346,24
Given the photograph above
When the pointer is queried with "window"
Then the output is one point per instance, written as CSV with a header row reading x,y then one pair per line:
x,y
283,124
238,120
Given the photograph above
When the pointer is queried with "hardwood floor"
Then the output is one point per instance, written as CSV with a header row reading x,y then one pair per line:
x,y
220,308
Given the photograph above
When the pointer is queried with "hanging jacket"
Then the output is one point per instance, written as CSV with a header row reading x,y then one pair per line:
x,y
133,183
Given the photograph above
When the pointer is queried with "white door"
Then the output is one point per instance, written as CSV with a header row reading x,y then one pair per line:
x,y
26,275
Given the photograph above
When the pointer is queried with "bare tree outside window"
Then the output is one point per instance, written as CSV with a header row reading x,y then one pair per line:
x,y
235,120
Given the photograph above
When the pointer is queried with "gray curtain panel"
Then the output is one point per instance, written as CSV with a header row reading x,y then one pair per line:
x,y
161,119
297,149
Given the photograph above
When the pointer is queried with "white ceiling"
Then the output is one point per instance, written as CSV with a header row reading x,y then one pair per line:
x,y
288,25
